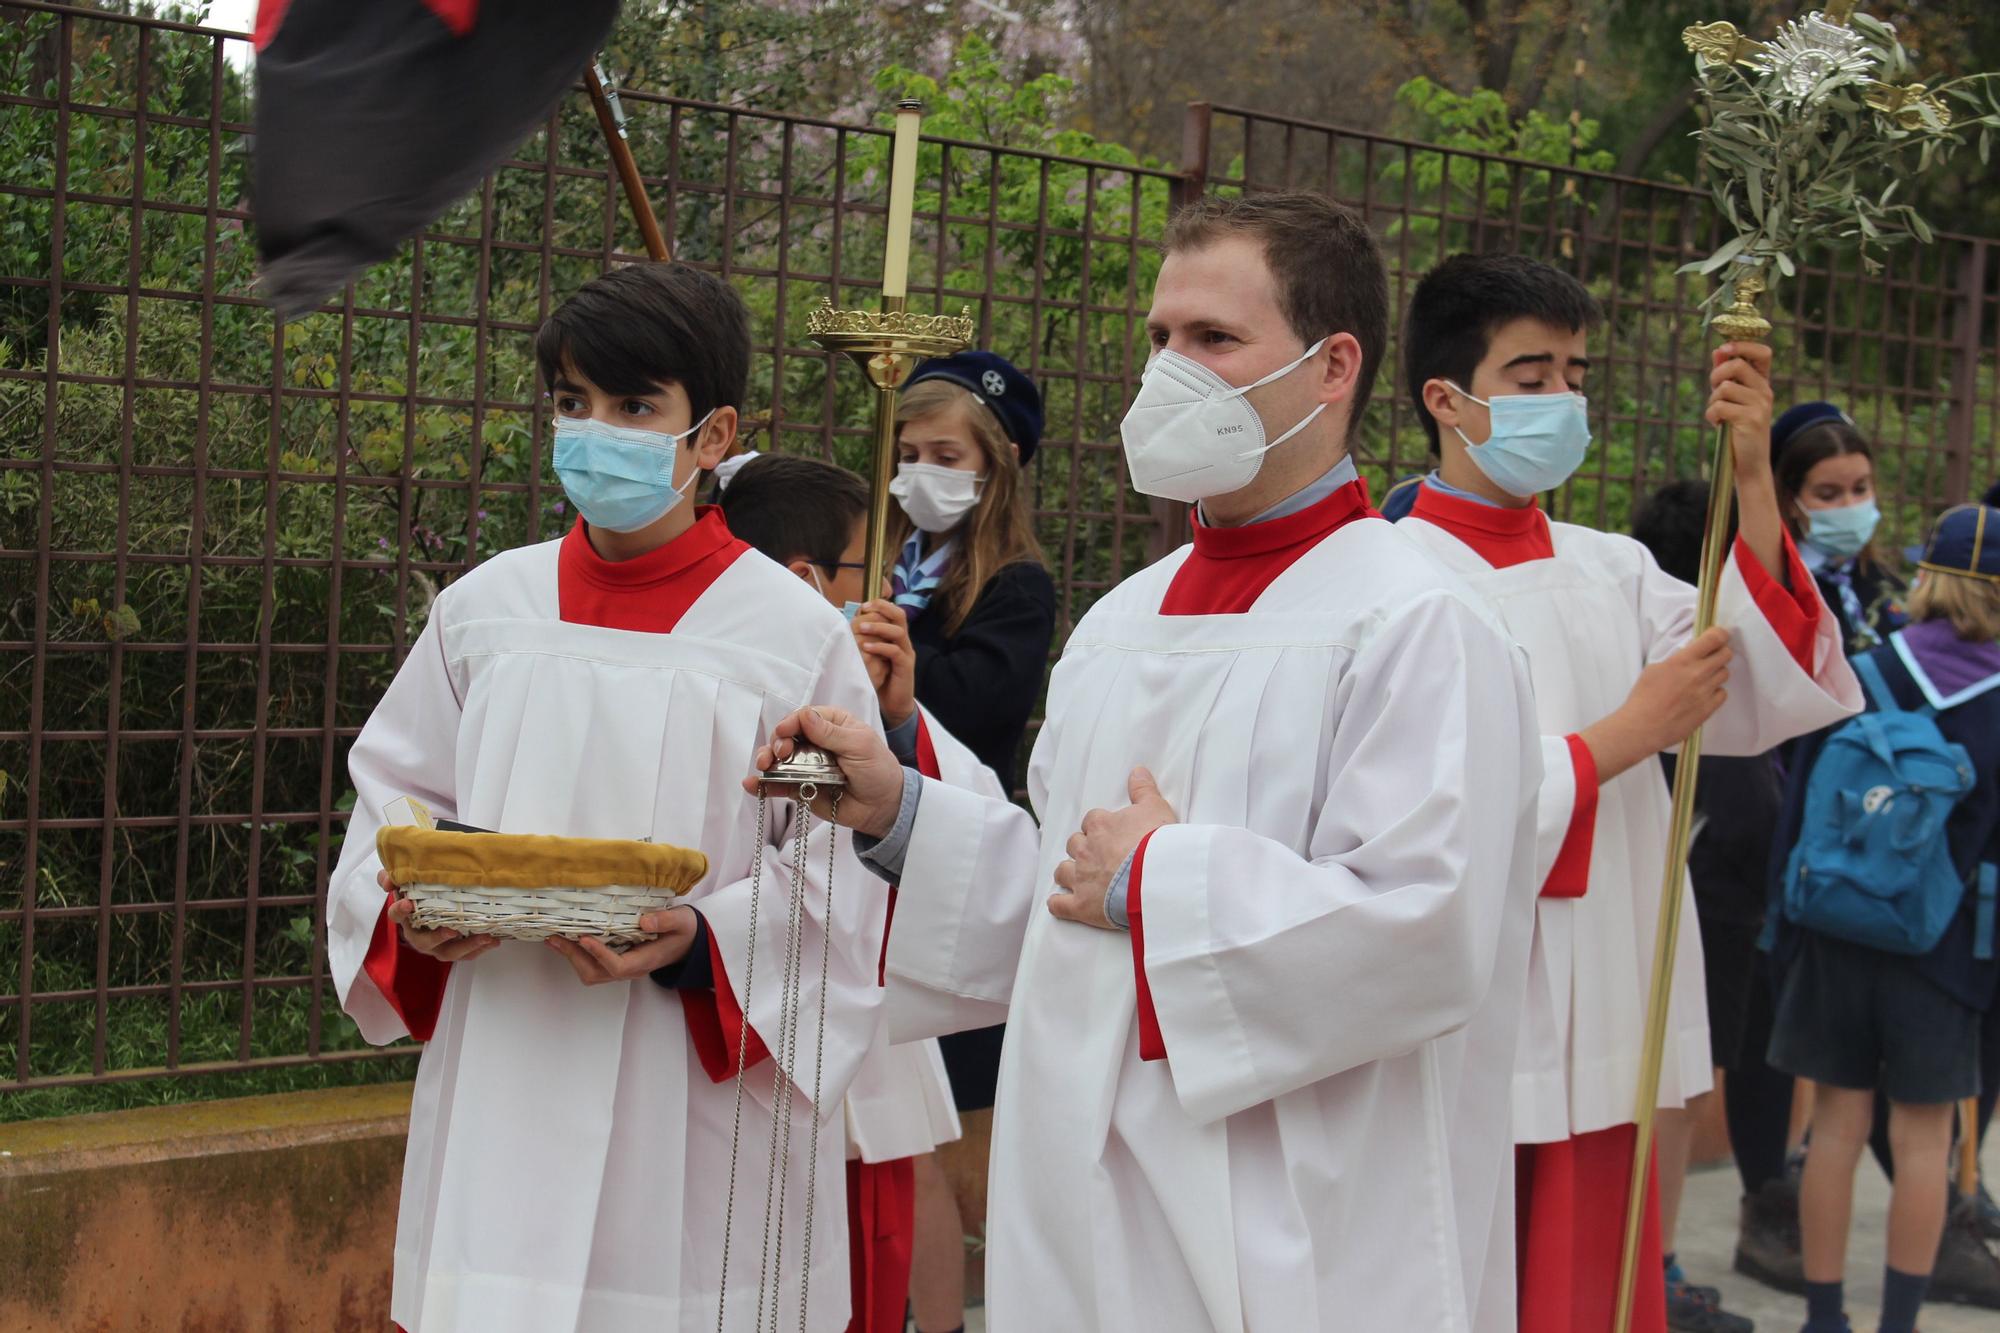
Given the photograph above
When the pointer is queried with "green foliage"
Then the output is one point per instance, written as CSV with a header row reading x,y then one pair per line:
x,y
1480,123
1801,164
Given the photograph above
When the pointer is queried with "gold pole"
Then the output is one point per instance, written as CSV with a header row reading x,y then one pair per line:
x,y
889,342
1968,1147
877,558
1739,323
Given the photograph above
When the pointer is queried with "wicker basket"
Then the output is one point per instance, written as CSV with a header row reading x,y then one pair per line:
x,y
529,887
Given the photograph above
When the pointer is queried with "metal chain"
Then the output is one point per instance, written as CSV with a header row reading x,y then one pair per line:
x,y
795,951
769,1265
784,1057
742,1047
819,1056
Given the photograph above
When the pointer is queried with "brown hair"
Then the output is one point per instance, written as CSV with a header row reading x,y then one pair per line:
x,y
1805,451
1326,261
1969,602
1000,530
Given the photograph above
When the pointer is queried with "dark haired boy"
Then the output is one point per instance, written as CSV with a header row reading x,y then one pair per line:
x,y
1495,355
574,1132
1259,1042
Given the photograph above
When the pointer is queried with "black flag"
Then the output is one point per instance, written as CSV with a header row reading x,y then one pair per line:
x,y
373,116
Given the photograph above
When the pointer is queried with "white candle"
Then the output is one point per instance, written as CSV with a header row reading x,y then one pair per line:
x,y
902,200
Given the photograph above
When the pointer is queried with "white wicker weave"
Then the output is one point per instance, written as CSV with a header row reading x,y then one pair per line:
x,y
611,913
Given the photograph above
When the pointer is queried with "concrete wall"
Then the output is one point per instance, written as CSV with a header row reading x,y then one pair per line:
x,y
260,1215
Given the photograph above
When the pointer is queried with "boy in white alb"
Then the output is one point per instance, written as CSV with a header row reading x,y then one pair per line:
x,y
570,1152
1260,1038
1495,354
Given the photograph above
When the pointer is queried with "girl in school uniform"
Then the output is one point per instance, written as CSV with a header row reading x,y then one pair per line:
x,y
1825,470
1857,1020
973,600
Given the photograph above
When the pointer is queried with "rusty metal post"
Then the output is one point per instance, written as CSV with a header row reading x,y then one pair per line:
x,y
1967,323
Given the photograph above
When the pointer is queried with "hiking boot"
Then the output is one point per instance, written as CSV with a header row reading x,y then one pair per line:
x,y
1677,1277
1690,1311
1967,1271
1767,1242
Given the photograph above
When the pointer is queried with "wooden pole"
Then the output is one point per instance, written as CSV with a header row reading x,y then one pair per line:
x,y
611,120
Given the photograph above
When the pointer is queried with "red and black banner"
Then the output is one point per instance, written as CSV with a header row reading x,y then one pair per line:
x,y
373,116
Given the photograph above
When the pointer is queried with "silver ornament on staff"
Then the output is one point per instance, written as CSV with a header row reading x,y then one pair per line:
x,y
1801,133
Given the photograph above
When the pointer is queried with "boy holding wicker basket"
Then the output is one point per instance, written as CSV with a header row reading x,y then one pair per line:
x,y
594,1140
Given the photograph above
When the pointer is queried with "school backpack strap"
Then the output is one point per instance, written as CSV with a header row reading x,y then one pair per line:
x,y
1869,669
1982,921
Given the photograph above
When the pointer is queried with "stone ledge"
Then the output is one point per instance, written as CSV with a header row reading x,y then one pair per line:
x,y
199,1129
266,1214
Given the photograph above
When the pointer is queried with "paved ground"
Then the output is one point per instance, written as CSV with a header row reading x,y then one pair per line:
x,y
1708,1242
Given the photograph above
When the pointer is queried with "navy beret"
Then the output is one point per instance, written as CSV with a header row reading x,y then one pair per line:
x,y
1966,541
1796,419
998,383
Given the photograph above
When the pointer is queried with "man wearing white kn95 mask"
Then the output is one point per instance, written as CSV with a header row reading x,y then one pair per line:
x,y
1262,959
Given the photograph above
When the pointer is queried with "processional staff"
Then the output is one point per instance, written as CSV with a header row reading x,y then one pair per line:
x,y
1801,134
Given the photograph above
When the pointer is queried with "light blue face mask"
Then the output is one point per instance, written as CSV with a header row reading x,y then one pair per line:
x,y
848,610
619,479
1538,440
1842,532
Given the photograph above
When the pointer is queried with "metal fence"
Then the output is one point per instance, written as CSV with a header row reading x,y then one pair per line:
x,y
218,534
1906,350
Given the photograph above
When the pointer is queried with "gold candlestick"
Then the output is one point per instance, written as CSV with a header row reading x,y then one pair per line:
x,y
888,343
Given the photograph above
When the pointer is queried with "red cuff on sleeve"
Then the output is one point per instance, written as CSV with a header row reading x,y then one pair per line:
x,y
1152,1042
927,763
412,982
1569,877
1793,611
714,1024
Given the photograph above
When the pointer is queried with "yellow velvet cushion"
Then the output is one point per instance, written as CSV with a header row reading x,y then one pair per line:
x,y
414,855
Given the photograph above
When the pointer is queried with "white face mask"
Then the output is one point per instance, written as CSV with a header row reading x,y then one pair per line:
x,y
1191,435
936,498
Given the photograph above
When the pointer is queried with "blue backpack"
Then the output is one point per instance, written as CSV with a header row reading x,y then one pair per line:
x,y
1872,864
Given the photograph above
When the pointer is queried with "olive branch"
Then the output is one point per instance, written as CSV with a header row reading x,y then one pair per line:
x,y
1800,130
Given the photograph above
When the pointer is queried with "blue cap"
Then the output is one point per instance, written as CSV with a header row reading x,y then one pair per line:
x,y
1966,542
1796,419
997,382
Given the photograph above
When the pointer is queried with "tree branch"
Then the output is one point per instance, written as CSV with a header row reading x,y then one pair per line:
x,y
1633,160
1544,66
1399,22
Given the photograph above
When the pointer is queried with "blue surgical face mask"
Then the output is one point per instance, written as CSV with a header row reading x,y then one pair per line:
x,y
1842,532
619,479
1538,440
848,610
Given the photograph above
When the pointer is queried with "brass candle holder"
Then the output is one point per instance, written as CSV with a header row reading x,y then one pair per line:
x,y
887,344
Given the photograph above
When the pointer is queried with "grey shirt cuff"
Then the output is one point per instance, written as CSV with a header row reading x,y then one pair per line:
x,y
1114,897
903,741
885,855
